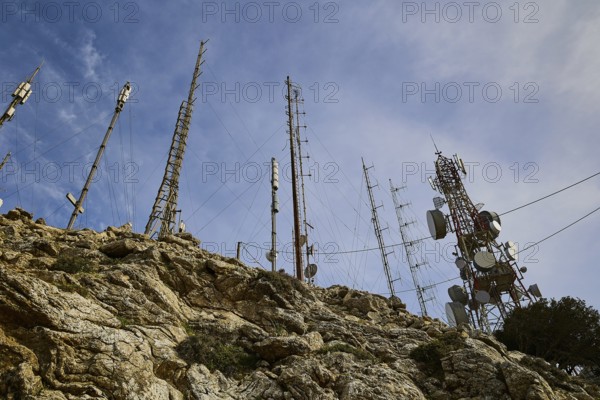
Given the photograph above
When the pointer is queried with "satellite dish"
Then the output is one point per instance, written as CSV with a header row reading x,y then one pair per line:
x,y
302,240
437,224
484,261
482,296
458,293
461,263
310,270
488,217
438,202
495,228
535,290
479,206
464,274
1,202
456,314
269,256
523,270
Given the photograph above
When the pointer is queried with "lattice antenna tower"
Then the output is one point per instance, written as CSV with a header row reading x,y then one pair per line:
x,y
164,211
492,281
20,96
414,260
378,231
311,269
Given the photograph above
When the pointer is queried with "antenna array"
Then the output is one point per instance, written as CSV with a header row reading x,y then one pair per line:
x,y
410,246
492,281
20,96
378,230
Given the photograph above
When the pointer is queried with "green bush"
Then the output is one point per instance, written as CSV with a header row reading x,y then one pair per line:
x,y
71,287
217,354
72,264
431,354
281,282
361,354
564,332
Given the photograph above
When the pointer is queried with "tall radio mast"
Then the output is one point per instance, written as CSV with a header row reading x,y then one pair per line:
x,y
78,204
163,215
492,281
378,232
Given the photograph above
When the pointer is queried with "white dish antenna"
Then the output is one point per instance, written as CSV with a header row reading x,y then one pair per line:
x,y
310,270
1,202
484,261
438,202
482,297
436,222
302,240
456,314
495,228
461,263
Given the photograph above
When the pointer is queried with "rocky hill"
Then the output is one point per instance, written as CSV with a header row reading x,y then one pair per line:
x,y
115,315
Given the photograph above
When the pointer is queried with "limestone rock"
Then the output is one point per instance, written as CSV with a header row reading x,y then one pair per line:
x,y
277,348
121,248
116,315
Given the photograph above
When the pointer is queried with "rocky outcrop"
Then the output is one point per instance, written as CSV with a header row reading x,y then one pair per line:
x,y
115,315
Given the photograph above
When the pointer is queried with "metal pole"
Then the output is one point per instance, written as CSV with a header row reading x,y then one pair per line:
x,y
297,233
123,96
239,250
274,211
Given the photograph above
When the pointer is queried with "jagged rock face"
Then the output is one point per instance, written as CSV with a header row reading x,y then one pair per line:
x,y
115,315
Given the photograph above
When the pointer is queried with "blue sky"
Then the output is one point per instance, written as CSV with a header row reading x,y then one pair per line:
x,y
511,87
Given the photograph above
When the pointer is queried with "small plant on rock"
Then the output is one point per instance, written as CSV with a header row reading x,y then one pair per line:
x,y
217,354
72,264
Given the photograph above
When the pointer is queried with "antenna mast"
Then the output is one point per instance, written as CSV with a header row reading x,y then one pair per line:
x,y
409,247
78,209
164,211
293,97
492,281
378,230
20,96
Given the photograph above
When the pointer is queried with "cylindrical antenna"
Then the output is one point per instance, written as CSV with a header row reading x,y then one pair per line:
x,y
274,211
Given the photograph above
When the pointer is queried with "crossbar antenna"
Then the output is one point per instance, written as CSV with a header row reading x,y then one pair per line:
x,y
378,230
78,204
411,255
20,96
163,215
